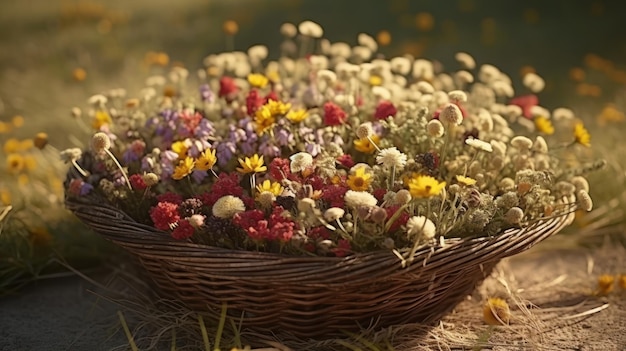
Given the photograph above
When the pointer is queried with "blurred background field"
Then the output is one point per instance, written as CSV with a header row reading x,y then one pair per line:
x,y
55,54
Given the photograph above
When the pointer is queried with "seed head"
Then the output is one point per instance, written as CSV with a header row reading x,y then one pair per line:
x,y
100,142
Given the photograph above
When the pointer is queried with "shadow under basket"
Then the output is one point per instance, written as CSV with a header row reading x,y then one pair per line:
x,y
312,297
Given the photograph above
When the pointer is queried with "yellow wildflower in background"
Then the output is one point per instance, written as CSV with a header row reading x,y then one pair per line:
x,y
11,146
365,146
360,180
273,76
23,180
605,284
375,80
26,144
5,197
263,119
423,186
296,116
496,312
257,80
465,180
30,162
206,160
183,169
544,125
17,121
79,74
100,119
581,135
272,187
180,148
15,163
4,127
252,164
278,107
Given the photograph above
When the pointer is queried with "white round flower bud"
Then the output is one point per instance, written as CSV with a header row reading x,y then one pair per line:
x,y
435,128
364,130
514,215
100,142
228,206
334,213
311,29
533,82
451,114
465,59
457,96
421,226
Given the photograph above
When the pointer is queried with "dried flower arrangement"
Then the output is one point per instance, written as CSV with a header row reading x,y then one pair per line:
x,y
331,150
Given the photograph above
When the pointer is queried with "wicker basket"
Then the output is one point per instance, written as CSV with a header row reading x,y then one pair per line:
x,y
312,297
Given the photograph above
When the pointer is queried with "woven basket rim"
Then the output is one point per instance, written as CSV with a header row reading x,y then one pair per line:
x,y
145,235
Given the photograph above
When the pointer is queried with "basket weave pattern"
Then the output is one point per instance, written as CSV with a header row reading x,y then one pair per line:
x,y
312,296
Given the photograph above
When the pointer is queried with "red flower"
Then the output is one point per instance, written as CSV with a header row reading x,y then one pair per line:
x,y
346,160
191,121
319,232
137,182
228,88
164,215
271,96
281,227
333,114
183,230
248,219
379,194
526,102
170,197
385,109
279,169
226,184
334,194
277,227
253,102
400,221
343,248
316,182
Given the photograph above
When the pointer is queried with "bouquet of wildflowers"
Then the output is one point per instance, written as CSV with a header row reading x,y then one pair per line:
x,y
331,150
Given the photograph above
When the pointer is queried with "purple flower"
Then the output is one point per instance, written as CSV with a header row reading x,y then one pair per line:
x,y
225,151
197,146
206,94
168,158
270,150
135,151
284,137
204,129
198,176
85,189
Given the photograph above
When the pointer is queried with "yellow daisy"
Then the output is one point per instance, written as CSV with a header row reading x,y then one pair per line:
x,y
183,169
465,180
257,80
296,116
544,125
365,146
252,164
101,118
180,148
272,187
360,180
263,119
581,135
206,161
423,186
